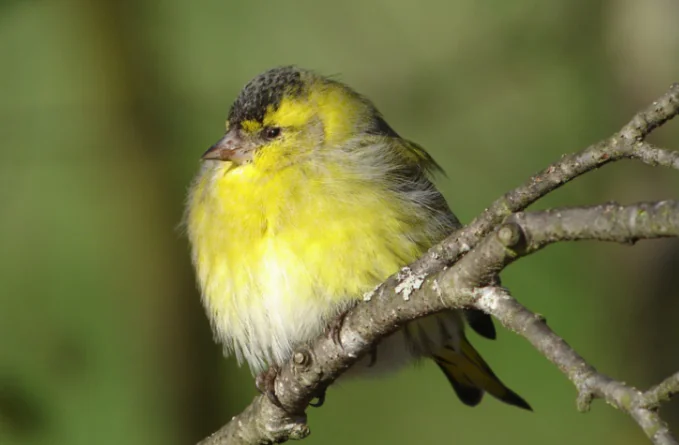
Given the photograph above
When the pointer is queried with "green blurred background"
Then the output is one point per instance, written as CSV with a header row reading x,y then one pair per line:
x,y
106,107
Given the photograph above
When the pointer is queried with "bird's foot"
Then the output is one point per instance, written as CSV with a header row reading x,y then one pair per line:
x,y
266,384
334,328
320,399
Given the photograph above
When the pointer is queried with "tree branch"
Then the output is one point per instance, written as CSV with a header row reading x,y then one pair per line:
x,y
662,392
589,382
431,287
656,156
627,143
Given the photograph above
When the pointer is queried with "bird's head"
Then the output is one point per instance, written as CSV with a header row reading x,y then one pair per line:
x,y
287,115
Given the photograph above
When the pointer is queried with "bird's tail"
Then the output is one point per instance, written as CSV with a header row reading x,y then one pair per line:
x,y
471,376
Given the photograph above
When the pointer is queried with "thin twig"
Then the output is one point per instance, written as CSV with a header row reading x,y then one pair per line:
x,y
589,382
656,156
662,392
628,143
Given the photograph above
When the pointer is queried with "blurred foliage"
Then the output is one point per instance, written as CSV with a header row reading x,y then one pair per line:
x,y
106,107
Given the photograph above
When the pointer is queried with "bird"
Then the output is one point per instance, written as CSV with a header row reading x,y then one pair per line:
x,y
307,202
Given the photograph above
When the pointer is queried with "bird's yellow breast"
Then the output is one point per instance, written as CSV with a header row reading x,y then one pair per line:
x,y
277,255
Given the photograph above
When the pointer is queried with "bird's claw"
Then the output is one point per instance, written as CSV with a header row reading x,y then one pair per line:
x,y
266,384
334,328
320,399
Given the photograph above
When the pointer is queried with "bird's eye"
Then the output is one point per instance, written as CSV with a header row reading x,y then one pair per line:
x,y
272,132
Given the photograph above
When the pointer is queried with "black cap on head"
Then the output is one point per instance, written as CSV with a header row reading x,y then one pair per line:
x,y
267,89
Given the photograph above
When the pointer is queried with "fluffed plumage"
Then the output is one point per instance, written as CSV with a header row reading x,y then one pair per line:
x,y
310,200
